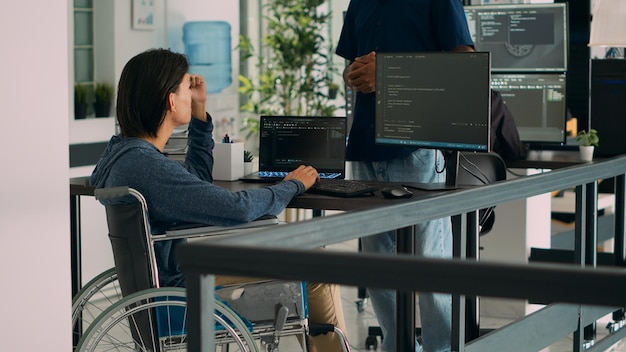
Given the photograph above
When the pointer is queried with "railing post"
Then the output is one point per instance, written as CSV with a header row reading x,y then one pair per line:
x,y
405,300
459,250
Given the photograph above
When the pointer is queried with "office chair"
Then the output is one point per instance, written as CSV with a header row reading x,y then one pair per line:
x,y
477,169
149,318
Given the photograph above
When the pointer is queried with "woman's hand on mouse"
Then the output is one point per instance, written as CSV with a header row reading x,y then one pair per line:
x,y
305,174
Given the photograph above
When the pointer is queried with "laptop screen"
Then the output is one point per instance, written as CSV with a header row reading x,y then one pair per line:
x,y
287,142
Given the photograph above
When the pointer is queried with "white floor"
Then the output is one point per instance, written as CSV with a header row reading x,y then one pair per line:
x,y
358,322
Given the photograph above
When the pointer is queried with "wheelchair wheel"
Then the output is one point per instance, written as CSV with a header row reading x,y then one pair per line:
x,y
96,296
155,320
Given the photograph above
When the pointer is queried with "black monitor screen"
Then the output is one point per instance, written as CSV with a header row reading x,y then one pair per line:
x,y
524,37
287,142
608,105
537,103
433,100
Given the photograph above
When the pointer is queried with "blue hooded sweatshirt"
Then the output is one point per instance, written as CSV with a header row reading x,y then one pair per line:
x,y
178,193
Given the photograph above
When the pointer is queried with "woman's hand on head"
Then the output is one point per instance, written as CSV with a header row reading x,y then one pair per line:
x,y
198,96
305,174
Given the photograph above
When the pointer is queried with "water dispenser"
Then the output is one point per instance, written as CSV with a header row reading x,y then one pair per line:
x,y
208,50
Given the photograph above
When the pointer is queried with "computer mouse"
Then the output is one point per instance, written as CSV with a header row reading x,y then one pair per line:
x,y
396,192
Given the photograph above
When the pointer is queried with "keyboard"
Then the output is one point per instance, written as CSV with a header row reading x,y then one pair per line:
x,y
342,188
282,174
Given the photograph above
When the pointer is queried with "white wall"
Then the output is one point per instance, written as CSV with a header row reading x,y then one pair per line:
x,y
34,189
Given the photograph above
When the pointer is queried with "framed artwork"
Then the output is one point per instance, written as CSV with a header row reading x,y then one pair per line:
x,y
143,14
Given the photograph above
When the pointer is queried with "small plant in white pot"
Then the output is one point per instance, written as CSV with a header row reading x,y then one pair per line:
x,y
248,157
588,139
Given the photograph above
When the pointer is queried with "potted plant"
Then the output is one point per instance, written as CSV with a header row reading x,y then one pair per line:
x,y
247,162
103,97
588,139
81,92
294,76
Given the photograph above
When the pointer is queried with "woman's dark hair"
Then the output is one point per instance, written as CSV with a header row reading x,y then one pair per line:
x,y
143,90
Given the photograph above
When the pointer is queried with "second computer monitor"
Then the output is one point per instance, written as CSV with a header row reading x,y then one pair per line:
x,y
437,100
521,37
537,103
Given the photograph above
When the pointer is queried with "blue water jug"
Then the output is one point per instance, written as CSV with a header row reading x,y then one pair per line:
x,y
207,46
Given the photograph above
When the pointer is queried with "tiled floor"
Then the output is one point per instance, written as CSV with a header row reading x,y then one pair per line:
x,y
358,322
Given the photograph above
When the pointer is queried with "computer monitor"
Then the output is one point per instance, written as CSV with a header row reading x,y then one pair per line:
x,y
607,105
438,100
521,37
537,103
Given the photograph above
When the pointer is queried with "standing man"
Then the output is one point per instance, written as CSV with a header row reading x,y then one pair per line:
x,y
372,26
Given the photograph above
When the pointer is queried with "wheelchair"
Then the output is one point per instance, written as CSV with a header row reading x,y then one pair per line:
x,y
92,300
125,309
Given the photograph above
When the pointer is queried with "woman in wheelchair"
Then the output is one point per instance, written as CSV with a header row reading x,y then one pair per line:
x,y
156,95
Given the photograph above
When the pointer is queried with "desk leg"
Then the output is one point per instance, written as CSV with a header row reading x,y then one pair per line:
x,y
459,245
75,243
405,300
201,305
585,248
472,304
620,214
619,247
465,309
75,258
591,237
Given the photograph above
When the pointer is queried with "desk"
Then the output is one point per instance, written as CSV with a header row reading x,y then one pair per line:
x,y
548,159
79,186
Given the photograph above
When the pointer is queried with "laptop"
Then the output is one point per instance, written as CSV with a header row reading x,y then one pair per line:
x,y
286,142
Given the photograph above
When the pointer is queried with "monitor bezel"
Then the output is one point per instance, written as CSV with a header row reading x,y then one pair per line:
x,y
482,146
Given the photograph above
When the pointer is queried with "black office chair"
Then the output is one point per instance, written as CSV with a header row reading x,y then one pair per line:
x,y
477,169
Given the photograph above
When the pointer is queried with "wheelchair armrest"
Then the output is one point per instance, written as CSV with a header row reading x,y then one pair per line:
x,y
199,230
112,192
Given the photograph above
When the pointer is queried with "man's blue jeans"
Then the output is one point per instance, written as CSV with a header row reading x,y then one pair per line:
x,y
433,239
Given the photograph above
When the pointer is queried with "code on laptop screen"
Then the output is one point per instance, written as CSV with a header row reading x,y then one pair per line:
x,y
290,141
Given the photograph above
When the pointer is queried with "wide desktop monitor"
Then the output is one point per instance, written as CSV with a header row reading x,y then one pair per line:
x,y
437,100
537,103
607,105
521,37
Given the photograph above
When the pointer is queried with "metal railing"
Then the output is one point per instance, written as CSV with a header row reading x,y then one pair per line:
x,y
286,252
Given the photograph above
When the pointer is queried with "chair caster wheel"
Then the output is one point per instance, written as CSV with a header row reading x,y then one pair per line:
x,y
371,343
360,306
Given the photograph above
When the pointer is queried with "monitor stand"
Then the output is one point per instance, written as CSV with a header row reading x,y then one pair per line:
x,y
452,167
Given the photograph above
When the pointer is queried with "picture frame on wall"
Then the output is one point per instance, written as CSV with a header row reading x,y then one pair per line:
x,y
143,14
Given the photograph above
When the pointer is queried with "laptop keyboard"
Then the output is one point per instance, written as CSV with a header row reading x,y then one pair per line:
x,y
281,174
342,188
277,174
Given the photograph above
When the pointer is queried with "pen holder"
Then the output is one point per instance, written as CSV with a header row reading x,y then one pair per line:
x,y
228,161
